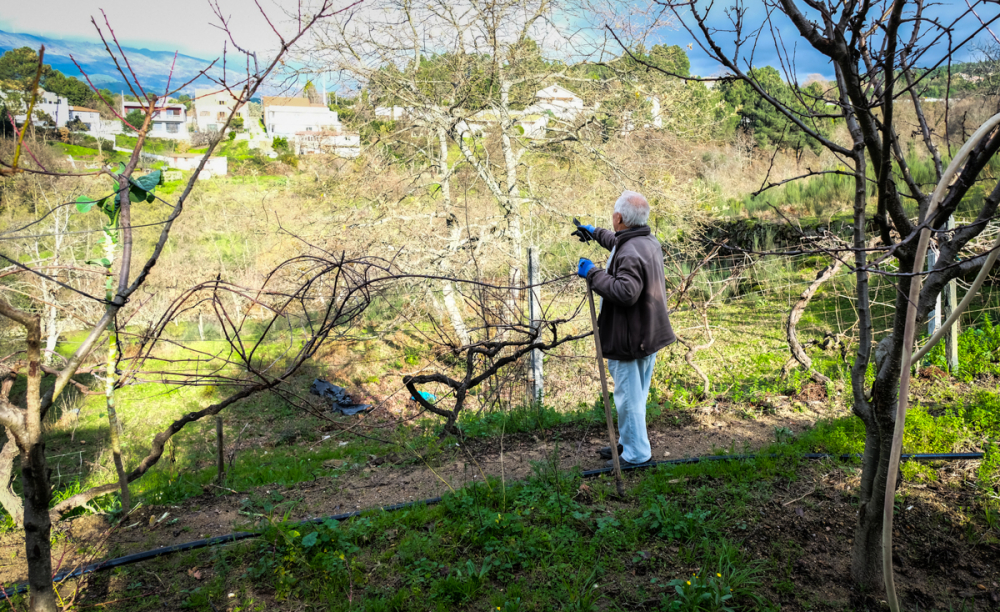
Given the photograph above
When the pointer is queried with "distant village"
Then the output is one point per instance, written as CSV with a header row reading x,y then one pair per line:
x,y
304,123
308,127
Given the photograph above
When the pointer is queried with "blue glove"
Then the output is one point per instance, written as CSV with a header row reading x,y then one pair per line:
x,y
585,266
589,228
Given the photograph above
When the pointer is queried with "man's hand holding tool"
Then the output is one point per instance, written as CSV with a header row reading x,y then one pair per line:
x,y
584,232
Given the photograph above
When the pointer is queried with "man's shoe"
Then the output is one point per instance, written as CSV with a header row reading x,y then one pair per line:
x,y
605,452
626,464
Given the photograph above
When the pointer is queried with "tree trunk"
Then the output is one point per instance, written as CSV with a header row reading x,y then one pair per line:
x,y
451,306
111,380
450,426
37,527
512,195
51,332
454,312
866,553
798,354
10,501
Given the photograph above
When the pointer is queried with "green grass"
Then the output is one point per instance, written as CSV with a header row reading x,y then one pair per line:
x,y
79,152
748,378
156,146
233,149
533,545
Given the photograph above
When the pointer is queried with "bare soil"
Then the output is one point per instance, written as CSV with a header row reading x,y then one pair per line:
x,y
939,562
806,531
398,478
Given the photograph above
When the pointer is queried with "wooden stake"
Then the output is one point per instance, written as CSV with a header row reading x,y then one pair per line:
x,y
219,444
619,483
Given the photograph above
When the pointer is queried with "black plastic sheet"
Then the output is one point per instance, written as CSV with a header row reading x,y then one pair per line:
x,y
339,399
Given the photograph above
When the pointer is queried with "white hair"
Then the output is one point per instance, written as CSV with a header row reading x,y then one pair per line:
x,y
633,208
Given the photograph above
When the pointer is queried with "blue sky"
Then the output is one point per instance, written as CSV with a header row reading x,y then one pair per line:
x,y
807,60
186,26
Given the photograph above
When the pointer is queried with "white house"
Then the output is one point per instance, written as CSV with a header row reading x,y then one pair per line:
x,y
212,107
534,125
88,116
562,102
324,141
390,113
287,117
169,120
553,102
56,107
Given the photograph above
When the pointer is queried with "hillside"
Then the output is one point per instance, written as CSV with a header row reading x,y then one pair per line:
x,y
152,67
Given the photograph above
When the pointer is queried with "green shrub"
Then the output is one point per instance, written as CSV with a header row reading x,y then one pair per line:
x,y
668,521
978,351
289,159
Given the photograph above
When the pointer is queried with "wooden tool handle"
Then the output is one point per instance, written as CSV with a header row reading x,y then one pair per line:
x,y
619,483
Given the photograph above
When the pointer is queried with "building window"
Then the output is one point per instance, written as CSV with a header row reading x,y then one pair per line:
x,y
173,128
205,113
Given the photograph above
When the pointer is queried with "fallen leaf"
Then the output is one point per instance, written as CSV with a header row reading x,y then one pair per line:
x,y
195,573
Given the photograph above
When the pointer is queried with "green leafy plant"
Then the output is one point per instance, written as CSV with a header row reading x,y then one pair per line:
x,y
705,593
668,521
978,351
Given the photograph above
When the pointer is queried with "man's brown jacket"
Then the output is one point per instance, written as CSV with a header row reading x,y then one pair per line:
x,y
633,320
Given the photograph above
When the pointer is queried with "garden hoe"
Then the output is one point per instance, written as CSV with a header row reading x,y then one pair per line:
x,y
585,236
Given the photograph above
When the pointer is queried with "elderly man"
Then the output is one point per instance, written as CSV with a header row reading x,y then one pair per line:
x,y
633,323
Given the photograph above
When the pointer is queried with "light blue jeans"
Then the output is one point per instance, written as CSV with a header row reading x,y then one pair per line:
x,y
632,379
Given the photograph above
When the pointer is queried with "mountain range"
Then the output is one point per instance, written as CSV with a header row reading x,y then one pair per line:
x,y
152,67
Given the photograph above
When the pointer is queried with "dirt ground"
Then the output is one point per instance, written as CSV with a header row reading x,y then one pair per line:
x,y
808,529
395,479
938,563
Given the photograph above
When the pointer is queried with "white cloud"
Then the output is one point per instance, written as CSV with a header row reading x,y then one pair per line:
x,y
181,25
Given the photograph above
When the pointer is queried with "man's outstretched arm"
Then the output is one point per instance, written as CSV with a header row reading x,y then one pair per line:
x,y
605,238
624,288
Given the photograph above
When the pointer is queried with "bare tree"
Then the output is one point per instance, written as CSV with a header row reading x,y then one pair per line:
x,y
451,87
24,422
880,54
500,339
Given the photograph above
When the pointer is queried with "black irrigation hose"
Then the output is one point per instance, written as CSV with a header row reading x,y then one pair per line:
x,y
913,457
243,535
